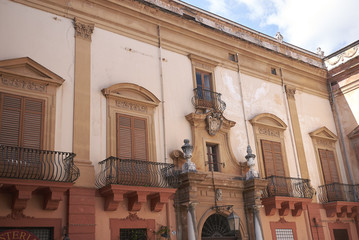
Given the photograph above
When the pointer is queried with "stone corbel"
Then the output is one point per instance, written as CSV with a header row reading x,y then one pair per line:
x,y
53,196
21,195
286,206
340,208
135,200
112,197
158,200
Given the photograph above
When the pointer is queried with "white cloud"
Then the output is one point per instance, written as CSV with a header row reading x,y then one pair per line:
x,y
329,24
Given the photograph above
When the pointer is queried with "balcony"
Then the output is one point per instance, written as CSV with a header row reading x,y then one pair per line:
x,y
138,181
25,170
207,100
339,198
285,194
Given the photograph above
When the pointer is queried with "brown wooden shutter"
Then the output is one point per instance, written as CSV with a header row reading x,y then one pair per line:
x,y
272,158
21,122
10,120
131,137
329,167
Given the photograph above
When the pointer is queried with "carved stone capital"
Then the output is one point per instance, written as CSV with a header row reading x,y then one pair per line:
x,y
83,30
290,90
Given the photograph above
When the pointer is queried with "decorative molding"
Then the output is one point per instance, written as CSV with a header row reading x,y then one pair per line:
x,y
83,30
324,143
24,84
290,90
17,214
131,106
214,122
269,132
133,217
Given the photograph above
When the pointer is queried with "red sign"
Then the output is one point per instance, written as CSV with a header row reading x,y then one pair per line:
x,y
17,234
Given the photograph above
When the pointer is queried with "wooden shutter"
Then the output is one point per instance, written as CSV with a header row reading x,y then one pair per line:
x,y
131,137
329,167
21,122
272,158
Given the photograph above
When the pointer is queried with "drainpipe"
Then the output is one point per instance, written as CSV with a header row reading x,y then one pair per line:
x,y
337,117
162,93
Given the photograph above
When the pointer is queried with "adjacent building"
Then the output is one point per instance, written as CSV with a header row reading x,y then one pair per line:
x,y
153,119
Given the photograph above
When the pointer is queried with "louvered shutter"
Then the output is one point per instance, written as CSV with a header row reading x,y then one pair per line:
x,y
272,157
124,137
21,122
329,167
139,137
131,137
10,110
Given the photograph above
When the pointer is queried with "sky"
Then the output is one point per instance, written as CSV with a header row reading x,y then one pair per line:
x,y
309,24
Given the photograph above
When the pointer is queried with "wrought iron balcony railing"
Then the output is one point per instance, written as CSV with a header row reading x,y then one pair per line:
x,y
338,192
206,99
27,163
137,173
288,187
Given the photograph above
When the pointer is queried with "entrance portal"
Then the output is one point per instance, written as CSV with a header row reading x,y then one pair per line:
x,y
216,227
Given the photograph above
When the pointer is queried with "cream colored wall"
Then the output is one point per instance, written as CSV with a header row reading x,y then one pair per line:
x,y
315,112
118,59
49,40
264,97
352,100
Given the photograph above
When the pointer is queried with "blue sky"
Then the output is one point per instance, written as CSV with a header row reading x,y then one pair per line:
x,y
309,24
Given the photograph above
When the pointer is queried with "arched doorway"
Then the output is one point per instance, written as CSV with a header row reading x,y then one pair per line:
x,y
216,227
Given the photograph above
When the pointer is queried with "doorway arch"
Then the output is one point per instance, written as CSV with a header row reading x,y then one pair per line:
x,y
216,227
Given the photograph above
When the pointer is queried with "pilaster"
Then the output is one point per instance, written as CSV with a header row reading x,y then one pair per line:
x,y
290,90
82,90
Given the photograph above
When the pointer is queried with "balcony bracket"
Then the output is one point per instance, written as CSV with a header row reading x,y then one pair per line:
x,y
285,205
21,195
136,199
53,196
340,209
112,197
158,200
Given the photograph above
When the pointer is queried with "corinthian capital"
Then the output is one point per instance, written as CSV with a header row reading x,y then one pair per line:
x,y
290,90
83,30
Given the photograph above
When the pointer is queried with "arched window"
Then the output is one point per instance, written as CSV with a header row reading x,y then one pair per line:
x,y
216,227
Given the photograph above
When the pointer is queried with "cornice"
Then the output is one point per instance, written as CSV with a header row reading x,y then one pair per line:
x,y
140,21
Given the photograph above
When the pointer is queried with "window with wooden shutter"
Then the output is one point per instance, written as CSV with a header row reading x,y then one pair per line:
x,y
131,137
272,157
329,167
21,121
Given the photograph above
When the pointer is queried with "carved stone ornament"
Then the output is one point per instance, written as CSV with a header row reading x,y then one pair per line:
x,y
133,217
219,194
269,132
83,30
17,214
27,85
214,123
290,90
131,106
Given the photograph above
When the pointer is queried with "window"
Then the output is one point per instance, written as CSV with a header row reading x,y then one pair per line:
x,y
324,142
272,157
212,157
133,233
269,135
130,123
328,166
284,234
27,104
21,121
131,137
340,234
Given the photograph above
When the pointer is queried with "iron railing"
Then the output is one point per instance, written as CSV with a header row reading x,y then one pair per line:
x,y
137,173
206,99
338,192
288,187
27,163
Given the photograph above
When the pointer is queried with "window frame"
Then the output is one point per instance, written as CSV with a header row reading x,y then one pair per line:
x,y
217,156
282,224
324,139
203,65
269,127
27,78
133,100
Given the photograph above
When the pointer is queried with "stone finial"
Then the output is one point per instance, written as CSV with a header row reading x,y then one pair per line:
x,y
279,37
320,52
252,173
187,149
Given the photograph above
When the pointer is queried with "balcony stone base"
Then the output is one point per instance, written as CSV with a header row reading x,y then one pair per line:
x,y
340,209
22,191
284,205
136,196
